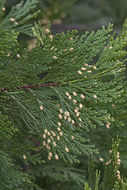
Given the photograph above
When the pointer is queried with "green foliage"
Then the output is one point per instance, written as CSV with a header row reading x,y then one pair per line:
x,y
54,98
110,179
111,167
17,19
64,174
87,187
95,183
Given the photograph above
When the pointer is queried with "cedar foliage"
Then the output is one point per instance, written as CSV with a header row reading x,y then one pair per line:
x,y
111,178
53,97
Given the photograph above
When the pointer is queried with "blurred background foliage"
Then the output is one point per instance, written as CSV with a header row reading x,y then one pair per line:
x,y
80,14
85,14
98,12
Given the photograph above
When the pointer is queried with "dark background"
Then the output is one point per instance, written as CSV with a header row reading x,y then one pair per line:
x,y
82,14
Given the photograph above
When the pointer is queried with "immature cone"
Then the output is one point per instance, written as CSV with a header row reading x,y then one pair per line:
x,y
48,141
24,157
82,96
59,124
67,94
44,136
47,30
41,107
58,129
8,55
69,97
61,134
80,72
74,101
66,149
54,144
3,9
69,119
54,57
56,157
18,55
51,37
118,161
60,116
74,93
72,121
107,163
44,143
83,68
58,138
101,159
46,131
12,19
76,110
49,157
95,96
60,110
71,49
80,106
50,154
